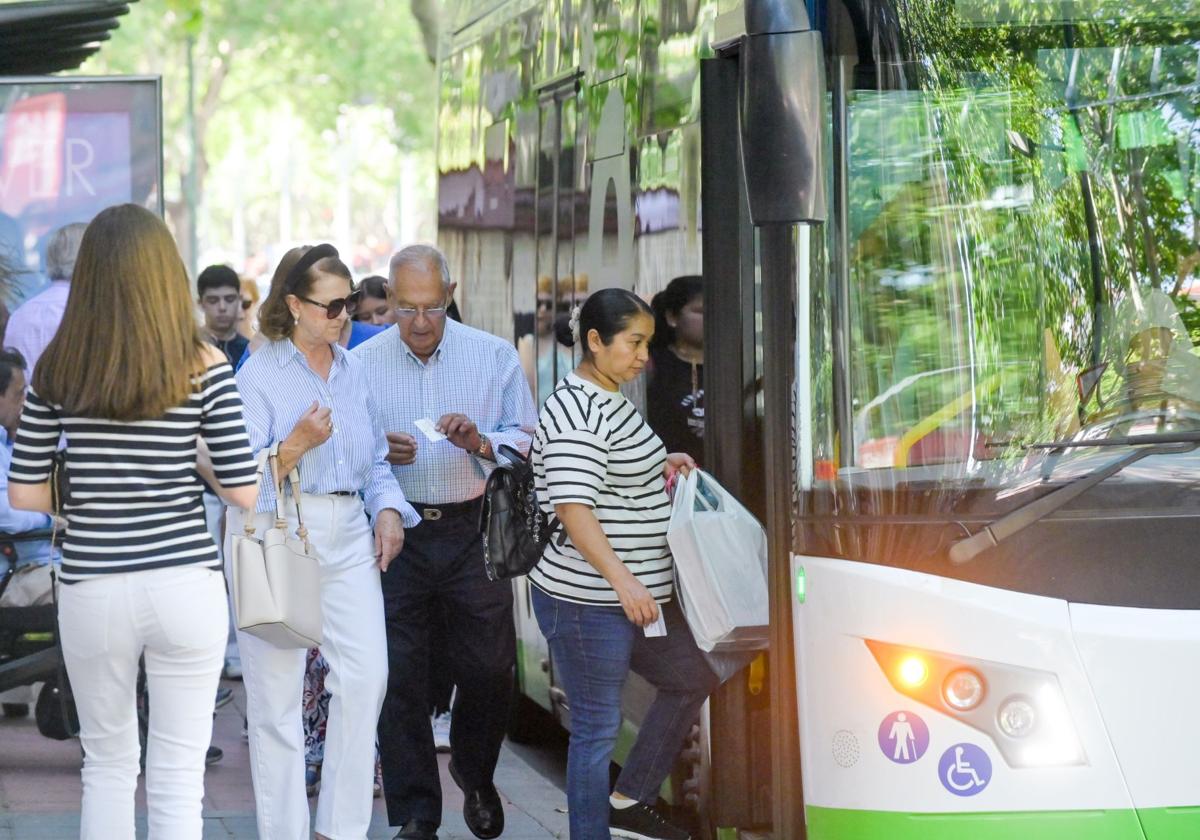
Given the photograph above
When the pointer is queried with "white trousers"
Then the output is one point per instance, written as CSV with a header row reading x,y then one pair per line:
x,y
355,645
176,618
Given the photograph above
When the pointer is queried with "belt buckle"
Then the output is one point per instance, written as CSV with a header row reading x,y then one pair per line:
x,y
431,514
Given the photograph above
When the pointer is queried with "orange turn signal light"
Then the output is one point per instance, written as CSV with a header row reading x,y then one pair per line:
x,y
912,671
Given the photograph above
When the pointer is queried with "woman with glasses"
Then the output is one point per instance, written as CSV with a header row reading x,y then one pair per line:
x,y
307,395
247,323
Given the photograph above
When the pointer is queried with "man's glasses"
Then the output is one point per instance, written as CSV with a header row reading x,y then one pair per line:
x,y
433,313
335,307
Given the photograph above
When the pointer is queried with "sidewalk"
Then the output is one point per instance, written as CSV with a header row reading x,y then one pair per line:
x,y
40,790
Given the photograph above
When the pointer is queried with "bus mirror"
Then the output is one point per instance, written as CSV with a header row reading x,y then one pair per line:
x,y
782,126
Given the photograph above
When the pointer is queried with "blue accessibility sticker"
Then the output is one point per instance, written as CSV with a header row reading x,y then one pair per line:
x,y
903,737
965,769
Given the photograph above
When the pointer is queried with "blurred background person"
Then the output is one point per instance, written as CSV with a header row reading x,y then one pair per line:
x,y
151,392
544,359
376,305
30,585
220,291
675,381
248,322
36,321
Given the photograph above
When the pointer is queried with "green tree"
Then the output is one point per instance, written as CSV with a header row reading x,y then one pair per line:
x,y
252,58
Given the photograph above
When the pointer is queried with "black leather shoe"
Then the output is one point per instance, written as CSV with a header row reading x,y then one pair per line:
x,y
482,809
417,830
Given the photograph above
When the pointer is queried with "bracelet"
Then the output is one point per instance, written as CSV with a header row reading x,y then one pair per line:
x,y
484,444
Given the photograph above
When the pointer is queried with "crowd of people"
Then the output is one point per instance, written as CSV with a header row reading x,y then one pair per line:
x,y
161,427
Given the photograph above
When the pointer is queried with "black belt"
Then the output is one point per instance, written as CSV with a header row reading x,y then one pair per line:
x,y
450,510
344,493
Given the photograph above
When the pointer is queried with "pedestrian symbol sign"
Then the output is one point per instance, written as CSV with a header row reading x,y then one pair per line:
x,y
965,770
903,737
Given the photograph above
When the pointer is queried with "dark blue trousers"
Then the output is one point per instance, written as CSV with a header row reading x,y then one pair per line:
x,y
441,570
593,649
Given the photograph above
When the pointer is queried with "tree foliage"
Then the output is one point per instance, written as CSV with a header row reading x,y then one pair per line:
x,y
262,67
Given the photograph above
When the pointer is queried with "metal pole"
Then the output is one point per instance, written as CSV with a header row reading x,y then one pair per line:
x,y
190,186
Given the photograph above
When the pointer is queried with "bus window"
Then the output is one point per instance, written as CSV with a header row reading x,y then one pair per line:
x,y
1010,223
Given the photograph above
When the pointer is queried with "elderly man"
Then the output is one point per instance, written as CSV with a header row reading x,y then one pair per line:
x,y
36,321
469,386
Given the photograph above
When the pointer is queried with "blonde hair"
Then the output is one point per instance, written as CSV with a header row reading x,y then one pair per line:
x,y
128,345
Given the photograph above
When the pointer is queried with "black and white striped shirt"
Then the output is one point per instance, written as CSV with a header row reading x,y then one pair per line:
x,y
135,493
593,448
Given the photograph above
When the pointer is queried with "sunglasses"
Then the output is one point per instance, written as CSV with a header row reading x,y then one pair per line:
x,y
335,307
246,304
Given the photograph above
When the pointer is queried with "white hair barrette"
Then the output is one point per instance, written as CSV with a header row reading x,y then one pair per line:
x,y
573,323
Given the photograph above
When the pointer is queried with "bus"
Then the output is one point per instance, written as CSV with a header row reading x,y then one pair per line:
x,y
950,252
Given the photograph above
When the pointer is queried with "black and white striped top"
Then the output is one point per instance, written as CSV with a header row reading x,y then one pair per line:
x,y
592,447
135,495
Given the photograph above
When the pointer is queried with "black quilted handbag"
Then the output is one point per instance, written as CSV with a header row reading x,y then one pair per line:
x,y
515,530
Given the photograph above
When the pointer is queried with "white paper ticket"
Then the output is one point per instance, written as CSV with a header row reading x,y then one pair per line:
x,y
429,430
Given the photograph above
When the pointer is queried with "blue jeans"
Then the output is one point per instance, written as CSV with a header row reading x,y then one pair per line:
x,y
593,649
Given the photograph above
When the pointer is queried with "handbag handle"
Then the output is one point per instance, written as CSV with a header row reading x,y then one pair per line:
x,y
293,479
271,456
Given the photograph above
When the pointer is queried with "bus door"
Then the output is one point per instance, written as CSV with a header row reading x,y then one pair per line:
x,y
763,100
558,286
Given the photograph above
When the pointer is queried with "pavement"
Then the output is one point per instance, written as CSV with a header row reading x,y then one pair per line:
x,y
40,789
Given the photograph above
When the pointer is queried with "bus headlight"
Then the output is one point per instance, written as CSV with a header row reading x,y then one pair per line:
x,y
1017,717
1022,710
963,690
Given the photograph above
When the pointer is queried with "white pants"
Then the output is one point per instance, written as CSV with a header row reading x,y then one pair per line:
x,y
355,646
176,618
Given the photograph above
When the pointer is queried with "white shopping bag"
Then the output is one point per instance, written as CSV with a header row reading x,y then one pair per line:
x,y
720,554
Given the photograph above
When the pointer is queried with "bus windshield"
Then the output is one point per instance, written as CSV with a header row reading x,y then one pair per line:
x,y
1023,216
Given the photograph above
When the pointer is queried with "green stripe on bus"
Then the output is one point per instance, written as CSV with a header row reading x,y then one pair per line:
x,y
1159,823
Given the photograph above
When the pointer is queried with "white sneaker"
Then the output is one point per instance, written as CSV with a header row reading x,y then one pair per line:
x,y
441,732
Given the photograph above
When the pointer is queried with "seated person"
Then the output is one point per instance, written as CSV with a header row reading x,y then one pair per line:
x,y
31,584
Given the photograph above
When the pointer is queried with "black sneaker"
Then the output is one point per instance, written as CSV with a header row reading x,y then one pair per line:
x,y
213,755
641,822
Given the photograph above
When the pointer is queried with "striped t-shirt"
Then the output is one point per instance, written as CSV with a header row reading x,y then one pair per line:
x,y
593,448
135,496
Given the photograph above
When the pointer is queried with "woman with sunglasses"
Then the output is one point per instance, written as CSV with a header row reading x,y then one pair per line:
x,y
305,393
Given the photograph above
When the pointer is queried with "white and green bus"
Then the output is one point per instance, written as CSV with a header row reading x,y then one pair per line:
x,y
951,261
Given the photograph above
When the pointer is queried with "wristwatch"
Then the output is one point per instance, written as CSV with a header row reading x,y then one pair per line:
x,y
484,444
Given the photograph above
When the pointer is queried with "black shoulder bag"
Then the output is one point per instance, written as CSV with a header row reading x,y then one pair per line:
x,y
515,530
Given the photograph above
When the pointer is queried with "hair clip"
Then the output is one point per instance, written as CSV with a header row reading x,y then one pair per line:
x,y
573,323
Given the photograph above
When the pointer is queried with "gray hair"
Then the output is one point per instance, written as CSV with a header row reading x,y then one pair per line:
x,y
422,257
62,249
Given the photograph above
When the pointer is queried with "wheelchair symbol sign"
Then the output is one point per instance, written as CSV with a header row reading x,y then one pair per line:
x,y
964,770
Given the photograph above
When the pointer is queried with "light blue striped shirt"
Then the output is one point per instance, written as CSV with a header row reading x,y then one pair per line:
x,y
277,386
473,373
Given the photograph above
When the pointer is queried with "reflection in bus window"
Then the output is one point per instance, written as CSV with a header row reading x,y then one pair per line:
x,y
1023,249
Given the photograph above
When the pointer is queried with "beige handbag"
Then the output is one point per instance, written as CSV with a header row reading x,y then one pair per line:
x,y
277,580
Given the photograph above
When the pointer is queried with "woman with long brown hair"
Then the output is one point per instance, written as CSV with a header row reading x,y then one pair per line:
x,y
146,406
